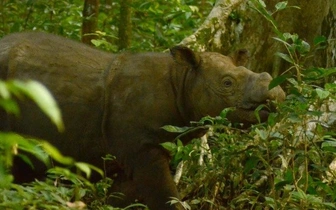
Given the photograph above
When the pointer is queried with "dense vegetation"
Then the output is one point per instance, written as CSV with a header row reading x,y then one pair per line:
x,y
156,25
284,163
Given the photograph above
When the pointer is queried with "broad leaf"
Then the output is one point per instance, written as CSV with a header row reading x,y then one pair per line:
x,y
4,93
87,168
175,129
43,98
285,57
55,154
320,40
281,5
277,81
322,94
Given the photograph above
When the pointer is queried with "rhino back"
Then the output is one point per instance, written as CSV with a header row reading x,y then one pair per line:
x,y
73,72
62,64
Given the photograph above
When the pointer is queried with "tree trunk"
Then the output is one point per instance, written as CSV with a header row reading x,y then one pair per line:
x,y
329,31
234,25
125,27
90,20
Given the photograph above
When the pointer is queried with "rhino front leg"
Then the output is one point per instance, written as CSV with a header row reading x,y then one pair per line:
x,y
153,180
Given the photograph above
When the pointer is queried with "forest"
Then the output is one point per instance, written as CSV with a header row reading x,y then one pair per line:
x,y
286,162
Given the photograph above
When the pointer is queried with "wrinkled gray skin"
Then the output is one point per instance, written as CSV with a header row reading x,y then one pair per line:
x,y
117,104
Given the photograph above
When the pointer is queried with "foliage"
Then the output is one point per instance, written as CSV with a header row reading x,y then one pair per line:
x,y
38,194
10,142
284,163
157,25
55,16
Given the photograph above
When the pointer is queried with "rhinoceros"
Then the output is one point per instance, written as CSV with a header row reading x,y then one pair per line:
x,y
118,103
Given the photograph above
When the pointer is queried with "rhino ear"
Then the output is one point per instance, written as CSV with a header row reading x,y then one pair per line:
x,y
185,56
240,57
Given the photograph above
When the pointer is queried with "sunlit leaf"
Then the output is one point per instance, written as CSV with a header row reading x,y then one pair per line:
x,y
304,47
4,92
262,3
55,154
175,129
281,5
322,94
10,106
169,146
329,144
262,133
42,97
34,147
87,168
84,168
286,57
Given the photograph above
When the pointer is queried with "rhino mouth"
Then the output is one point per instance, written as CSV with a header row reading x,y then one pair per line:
x,y
248,114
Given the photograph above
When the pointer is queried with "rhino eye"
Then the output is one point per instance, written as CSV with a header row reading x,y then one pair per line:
x,y
227,83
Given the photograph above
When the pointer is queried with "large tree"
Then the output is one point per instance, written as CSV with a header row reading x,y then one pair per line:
x,y
237,24
90,20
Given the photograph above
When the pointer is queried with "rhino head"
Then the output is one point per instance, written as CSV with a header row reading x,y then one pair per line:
x,y
213,82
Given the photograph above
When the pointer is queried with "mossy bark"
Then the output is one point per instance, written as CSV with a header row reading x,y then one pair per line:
x,y
234,25
125,27
90,20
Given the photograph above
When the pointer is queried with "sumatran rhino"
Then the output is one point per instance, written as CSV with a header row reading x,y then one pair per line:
x,y
117,103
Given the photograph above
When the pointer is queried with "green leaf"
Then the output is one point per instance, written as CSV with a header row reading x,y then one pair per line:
x,y
84,168
315,73
322,94
282,39
251,164
293,37
175,129
4,92
55,154
171,147
43,98
87,168
329,144
289,36
271,202
225,111
33,147
277,81
10,106
304,47
179,143
285,57
281,5
262,133
96,42
293,81
320,40
300,194
262,3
